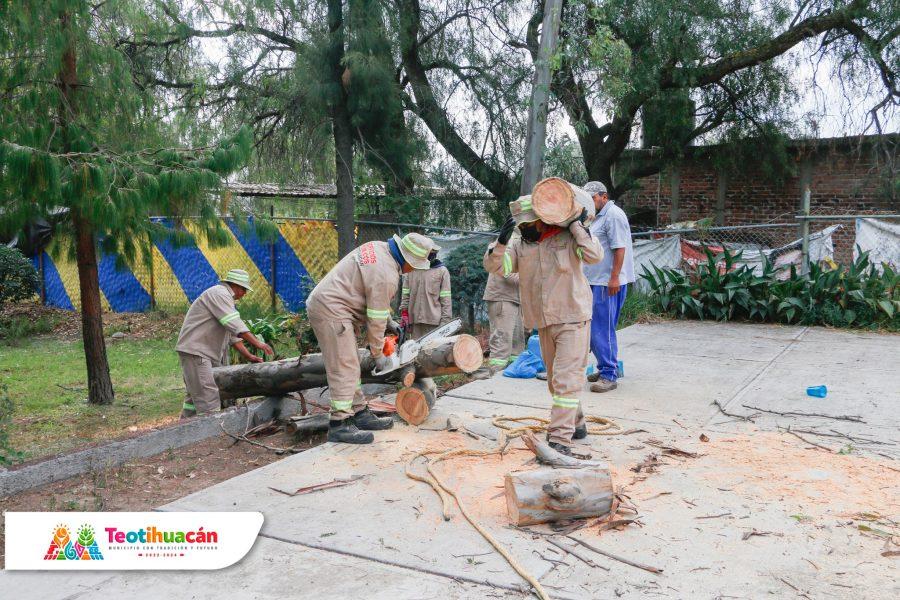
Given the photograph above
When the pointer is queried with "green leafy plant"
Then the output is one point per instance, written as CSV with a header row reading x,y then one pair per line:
x,y
721,288
8,455
269,329
468,278
18,278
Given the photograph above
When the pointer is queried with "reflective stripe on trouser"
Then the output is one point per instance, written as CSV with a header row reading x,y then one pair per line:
x,y
202,391
506,329
337,339
564,349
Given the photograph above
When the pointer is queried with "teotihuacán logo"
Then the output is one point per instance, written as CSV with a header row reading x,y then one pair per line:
x,y
63,547
111,541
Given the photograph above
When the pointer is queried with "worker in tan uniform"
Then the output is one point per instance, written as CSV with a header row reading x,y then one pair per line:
x,y
211,325
507,340
556,299
426,301
358,292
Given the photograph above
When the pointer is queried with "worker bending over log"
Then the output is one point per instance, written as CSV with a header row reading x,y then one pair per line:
x,y
556,299
357,292
425,301
211,325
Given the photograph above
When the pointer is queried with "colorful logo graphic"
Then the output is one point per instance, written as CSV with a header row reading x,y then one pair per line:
x,y
63,547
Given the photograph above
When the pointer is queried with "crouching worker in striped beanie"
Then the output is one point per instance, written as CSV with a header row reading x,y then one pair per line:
x,y
357,292
211,325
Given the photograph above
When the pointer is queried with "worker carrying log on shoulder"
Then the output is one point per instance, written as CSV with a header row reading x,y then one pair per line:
x,y
556,299
356,292
425,301
211,325
507,340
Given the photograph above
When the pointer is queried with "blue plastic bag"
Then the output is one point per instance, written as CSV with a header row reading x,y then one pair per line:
x,y
529,362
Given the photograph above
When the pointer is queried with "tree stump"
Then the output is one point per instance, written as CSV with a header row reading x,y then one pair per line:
x,y
558,202
552,494
414,403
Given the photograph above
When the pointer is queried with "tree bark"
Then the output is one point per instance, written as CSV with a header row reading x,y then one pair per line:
x,y
342,131
549,494
100,389
277,378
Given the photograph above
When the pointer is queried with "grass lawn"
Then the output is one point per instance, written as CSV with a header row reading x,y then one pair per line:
x,y
47,383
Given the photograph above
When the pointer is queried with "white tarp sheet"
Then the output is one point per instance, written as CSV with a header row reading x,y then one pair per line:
x,y
880,239
665,253
821,248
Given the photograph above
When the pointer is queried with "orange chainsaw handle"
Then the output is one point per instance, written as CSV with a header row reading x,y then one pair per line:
x,y
390,345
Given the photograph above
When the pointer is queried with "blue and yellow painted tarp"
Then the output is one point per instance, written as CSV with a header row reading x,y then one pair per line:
x,y
172,278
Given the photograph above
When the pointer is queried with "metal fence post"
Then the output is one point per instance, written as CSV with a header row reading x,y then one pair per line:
x,y
272,262
804,231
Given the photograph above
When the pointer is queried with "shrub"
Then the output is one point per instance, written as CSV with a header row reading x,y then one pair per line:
x,y
18,278
859,295
467,278
7,454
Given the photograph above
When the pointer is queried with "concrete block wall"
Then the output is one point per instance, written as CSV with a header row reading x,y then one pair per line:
x,y
845,176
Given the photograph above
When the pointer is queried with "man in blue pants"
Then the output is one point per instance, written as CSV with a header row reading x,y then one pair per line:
x,y
609,280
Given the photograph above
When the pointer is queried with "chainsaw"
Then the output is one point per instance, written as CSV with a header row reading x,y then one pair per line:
x,y
408,350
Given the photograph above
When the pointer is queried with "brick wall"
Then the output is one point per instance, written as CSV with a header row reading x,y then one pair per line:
x,y
845,176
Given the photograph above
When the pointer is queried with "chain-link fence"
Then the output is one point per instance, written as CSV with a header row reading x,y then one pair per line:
x,y
792,240
284,265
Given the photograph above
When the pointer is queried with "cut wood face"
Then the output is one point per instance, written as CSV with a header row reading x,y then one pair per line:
x,y
553,200
467,353
412,405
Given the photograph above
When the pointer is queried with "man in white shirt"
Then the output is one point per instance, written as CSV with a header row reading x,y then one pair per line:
x,y
609,280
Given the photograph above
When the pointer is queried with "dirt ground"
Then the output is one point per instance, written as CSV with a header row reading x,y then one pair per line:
x,y
152,481
67,324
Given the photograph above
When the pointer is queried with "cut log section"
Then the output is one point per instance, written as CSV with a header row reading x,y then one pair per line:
x,y
414,403
459,353
558,202
547,494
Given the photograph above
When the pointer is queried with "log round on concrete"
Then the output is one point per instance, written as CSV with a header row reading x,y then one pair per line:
x,y
414,403
552,494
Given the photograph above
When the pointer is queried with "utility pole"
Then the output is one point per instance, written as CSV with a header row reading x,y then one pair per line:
x,y
540,97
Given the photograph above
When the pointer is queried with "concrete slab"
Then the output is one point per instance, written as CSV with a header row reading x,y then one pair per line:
x,y
804,505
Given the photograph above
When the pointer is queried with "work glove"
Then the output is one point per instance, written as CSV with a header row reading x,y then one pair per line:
x,y
506,231
404,319
579,222
383,362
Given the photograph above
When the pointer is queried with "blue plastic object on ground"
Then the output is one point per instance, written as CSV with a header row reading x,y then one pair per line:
x,y
620,369
817,391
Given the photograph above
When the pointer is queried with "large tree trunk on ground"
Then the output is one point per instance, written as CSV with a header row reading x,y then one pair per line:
x,y
552,494
460,353
342,131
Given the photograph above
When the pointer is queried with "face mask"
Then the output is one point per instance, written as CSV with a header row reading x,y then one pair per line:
x,y
530,233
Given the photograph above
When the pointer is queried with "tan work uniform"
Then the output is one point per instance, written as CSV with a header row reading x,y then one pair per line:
x,y
356,292
505,316
211,325
426,295
556,299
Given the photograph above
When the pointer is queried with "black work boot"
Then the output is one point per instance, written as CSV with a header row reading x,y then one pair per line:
x,y
367,421
346,432
562,449
580,433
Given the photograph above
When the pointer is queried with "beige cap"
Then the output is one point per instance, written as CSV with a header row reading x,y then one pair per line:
x,y
522,211
239,277
415,249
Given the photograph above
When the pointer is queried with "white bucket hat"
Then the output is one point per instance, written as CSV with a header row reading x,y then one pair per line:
x,y
415,249
239,277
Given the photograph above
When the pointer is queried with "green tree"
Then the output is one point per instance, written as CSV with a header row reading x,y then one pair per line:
x,y
721,61
293,66
78,137
18,278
